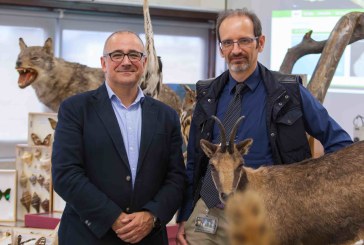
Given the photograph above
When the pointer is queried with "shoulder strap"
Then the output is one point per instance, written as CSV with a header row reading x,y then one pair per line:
x,y
286,78
202,85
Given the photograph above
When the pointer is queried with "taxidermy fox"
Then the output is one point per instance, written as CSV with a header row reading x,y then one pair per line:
x,y
53,79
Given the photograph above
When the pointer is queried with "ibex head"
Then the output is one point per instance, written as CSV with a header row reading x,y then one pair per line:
x,y
226,160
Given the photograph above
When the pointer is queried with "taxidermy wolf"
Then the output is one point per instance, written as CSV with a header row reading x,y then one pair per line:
x,y
53,79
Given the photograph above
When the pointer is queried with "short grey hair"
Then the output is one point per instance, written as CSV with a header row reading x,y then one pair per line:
x,y
121,32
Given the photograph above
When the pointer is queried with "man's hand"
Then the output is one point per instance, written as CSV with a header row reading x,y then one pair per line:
x,y
119,222
181,236
135,226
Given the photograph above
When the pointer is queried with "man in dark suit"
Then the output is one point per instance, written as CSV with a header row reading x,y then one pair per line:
x,y
117,158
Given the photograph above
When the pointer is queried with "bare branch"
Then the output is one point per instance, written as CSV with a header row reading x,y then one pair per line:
x,y
310,46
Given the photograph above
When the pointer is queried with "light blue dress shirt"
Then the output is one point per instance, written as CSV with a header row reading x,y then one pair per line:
x,y
130,123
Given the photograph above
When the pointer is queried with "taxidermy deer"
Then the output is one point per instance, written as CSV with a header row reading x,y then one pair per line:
x,y
55,79
316,201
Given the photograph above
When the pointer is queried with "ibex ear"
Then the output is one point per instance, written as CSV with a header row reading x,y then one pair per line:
x,y
208,148
243,146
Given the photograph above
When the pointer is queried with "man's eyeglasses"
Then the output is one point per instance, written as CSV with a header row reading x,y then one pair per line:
x,y
242,42
118,56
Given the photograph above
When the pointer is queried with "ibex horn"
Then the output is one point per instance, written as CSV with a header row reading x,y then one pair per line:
x,y
222,134
232,135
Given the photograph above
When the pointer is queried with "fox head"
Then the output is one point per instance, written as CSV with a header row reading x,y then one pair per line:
x,y
33,62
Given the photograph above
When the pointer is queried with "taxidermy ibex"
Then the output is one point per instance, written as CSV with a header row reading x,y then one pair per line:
x,y
316,201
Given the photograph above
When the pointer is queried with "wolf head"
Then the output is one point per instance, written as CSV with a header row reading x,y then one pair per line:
x,y
33,62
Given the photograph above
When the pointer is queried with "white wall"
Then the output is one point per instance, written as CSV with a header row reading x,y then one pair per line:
x,y
344,107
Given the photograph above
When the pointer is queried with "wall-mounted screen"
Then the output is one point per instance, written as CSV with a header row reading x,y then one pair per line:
x,y
288,29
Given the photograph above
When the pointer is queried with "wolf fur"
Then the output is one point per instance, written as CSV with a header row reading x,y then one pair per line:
x,y
53,79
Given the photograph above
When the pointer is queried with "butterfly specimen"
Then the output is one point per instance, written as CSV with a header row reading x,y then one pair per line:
x,y
52,122
6,194
38,141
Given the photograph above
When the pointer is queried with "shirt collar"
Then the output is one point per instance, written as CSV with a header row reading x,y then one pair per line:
x,y
251,82
140,97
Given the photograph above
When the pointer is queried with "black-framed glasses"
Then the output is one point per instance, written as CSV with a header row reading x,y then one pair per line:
x,y
118,56
242,42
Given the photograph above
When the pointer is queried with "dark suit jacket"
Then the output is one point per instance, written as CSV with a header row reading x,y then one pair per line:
x,y
91,170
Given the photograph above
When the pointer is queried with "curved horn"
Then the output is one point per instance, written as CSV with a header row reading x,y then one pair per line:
x,y
222,133
233,133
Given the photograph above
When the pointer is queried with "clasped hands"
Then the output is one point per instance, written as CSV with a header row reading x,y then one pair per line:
x,y
133,227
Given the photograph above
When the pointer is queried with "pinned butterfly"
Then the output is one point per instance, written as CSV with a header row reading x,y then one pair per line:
x,y
5,194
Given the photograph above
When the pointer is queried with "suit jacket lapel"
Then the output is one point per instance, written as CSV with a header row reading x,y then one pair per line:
x,y
106,113
149,124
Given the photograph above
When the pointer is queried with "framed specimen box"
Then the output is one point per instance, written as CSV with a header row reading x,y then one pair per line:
x,y
33,164
32,236
7,195
6,235
41,128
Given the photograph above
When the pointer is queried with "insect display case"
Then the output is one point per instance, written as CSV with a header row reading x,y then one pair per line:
x,y
33,236
41,128
33,164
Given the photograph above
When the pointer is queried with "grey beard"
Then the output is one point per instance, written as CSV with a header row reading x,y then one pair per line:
x,y
239,67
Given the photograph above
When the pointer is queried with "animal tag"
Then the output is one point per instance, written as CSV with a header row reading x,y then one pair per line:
x,y
206,223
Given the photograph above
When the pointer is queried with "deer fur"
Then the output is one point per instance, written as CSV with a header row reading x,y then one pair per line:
x,y
316,201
